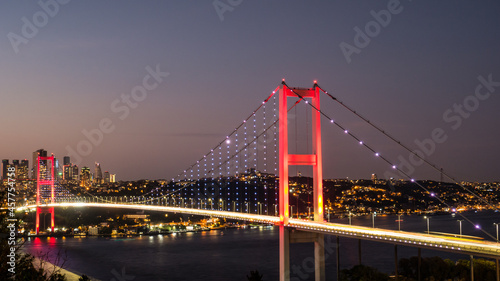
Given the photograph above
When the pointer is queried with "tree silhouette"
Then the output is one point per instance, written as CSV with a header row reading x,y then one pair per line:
x,y
255,276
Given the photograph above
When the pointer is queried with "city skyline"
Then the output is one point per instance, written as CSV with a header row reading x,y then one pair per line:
x,y
409,67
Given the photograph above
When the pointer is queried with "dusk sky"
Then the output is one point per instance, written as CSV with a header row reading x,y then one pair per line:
x,y
431,65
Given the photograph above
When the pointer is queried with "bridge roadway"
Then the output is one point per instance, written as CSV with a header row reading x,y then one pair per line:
x,y
412,239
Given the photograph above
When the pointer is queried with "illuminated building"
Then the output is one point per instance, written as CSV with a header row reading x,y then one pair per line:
x,y
58,172
74,173
40,152
22,170
97,173
106,177
85,177
67,171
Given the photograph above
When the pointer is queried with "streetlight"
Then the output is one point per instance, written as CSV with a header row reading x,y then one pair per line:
x,y
308,213
460,221
496,226
427,218
350,218
399,222
275,209
373,219
291,211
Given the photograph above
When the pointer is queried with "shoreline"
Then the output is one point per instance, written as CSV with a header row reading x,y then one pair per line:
x,y
51,268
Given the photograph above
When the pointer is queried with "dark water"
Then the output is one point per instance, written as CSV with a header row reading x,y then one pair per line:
x,y
212,256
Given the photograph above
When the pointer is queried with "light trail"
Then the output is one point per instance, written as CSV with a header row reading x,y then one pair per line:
x,y
412,239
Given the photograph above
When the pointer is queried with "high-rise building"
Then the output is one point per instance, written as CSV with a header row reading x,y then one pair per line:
x,y
106,177
34,167
5,165
74,173
57,169
22,170
85,177
66,160
67,172
98,173
112,177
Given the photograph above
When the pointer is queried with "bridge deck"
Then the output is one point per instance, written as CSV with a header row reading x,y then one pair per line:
x,y
413,239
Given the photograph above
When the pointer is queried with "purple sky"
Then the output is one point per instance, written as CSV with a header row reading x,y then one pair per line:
x,y
64,76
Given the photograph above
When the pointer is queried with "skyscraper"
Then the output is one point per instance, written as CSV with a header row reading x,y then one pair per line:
x,y
74,173
66,160
98,173
85,177
5,165
40,152
23,169
106,177
58,172
67,172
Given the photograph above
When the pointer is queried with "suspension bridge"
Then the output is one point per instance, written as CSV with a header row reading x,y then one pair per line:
x,y
246,174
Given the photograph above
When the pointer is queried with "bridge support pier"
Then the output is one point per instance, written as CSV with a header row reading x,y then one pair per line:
x,y
296,236
39,211
498,270
359,251
284,253
338,258
471,267
419,264
396,261
319,257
